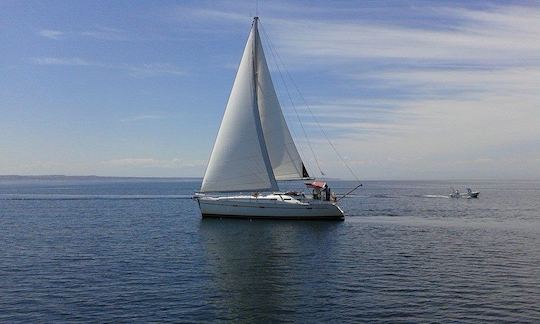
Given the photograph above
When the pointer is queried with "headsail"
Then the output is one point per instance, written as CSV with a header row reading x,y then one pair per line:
x,y
285,159
239,160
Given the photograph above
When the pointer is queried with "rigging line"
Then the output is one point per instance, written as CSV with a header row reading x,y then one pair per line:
x,y
349,192
313,115
274,54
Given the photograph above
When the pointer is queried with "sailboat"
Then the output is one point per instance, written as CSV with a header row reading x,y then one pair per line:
x,y
254,149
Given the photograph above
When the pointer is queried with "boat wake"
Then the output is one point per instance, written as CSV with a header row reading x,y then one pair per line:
x,y
435,196
384,196
387,196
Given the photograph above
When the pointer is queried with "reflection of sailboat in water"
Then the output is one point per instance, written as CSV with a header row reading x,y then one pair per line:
x,y
254,149
261,269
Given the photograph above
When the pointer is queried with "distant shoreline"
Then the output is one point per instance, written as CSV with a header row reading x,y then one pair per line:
x,y
91,177
59,177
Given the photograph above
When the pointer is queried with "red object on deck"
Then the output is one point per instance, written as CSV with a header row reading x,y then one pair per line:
x,y
316,184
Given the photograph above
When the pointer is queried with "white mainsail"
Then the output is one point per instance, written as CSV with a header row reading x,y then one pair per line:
x,y
254,146
284,157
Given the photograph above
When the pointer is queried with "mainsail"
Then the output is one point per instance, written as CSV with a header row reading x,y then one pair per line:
x,y
254,146
286,162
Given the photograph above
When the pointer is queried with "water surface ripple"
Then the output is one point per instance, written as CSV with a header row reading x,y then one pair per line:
x,y
139,251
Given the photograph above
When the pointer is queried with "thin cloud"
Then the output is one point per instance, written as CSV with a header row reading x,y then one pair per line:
x,y
142,118
478,41
99,33
153,163
51,34
155,69
106,33
69,61
139,71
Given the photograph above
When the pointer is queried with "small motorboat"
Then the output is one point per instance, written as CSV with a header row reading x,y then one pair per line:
x,y
472,194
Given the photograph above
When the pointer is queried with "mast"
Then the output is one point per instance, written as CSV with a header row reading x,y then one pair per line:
x,y
256,113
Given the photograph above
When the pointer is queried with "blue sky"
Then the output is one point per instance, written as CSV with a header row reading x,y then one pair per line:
x,y
406,89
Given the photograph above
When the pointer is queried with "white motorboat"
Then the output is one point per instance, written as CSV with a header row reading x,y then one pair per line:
x,y
254,149
469,194
472,194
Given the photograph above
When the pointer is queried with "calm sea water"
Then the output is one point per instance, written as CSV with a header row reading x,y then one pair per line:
x,y
138,251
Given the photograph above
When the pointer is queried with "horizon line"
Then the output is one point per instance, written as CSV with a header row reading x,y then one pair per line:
x,y
52,176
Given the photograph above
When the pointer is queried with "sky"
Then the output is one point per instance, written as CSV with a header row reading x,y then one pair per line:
x,y
403,89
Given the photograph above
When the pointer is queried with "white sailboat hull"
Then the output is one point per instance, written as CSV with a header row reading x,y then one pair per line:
x,y
268,207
